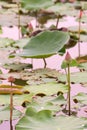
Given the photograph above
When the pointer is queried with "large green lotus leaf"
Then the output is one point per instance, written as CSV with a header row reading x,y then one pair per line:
x,y
78,77
17,100
45,44
81,97
47,88
43,120
5,113
36,4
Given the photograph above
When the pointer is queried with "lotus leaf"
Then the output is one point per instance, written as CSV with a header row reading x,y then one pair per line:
x,y
21,43
47,88
13,67
43,120
75,29
36,4
77,77
17,99
12,19
48,103
82,98
68,9
5,113
83,66
5,42
45,44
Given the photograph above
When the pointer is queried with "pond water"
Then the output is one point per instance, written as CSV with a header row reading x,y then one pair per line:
x,y
53,62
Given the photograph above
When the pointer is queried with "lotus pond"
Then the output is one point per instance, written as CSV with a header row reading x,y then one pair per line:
x,y
43,65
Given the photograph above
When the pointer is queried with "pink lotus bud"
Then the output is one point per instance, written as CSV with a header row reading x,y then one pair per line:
x,y
81,13
11,79
30,27
68,57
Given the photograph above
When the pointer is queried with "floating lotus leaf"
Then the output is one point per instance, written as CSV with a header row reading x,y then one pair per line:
x,y
36,4
5,113
81,98
47,88
20,99
20,82
39,76
5,42
83,66
17,99
48,103
63,9
45,44
14,67
44,106
12,19
21,43
84,5
83,37
43,120
75,29
77,77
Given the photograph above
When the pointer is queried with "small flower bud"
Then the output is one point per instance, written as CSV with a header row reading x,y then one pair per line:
x,y
68,57
81,13
30,27
11,79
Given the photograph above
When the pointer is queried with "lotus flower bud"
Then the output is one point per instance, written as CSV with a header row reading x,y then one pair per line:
x,y
81,13
68,57
11,79
30,27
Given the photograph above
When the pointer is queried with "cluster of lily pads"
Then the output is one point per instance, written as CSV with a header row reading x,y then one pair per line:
x,y
42,93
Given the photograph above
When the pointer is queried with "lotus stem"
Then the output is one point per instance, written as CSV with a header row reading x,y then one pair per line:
x,y
11,80
45,64
80,16
57,22
19,20
11,108
69,90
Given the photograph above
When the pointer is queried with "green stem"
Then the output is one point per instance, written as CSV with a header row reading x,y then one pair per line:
x,y
11,108
69,90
